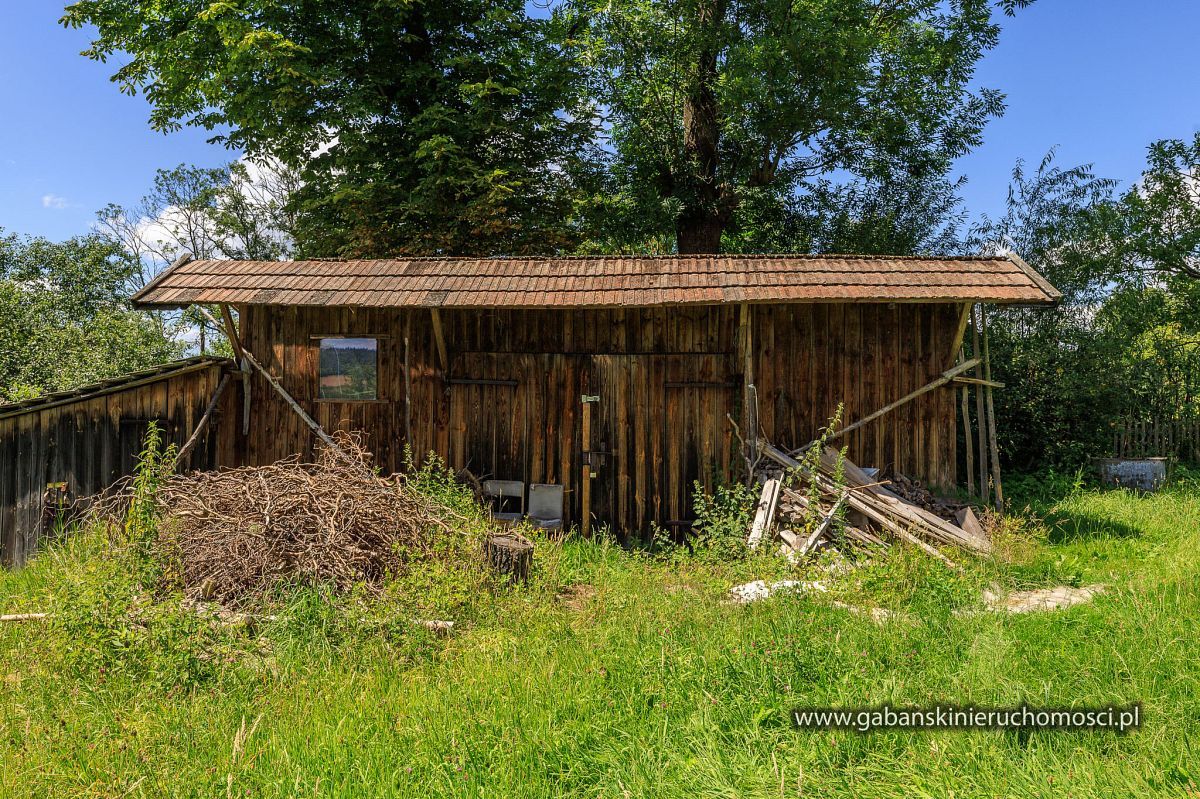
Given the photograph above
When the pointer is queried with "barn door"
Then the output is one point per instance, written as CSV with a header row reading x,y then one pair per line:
x,y
699,397
659,426
488,420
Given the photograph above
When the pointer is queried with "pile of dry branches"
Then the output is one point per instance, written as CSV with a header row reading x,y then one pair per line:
x,y
235,533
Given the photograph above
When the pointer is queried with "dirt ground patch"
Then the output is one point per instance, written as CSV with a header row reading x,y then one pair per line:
x,y
1042,599
575,597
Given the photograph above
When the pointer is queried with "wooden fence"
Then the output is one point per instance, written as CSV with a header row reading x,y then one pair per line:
x,y
1149,438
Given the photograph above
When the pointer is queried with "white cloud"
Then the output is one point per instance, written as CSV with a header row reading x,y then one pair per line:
x,y
54,201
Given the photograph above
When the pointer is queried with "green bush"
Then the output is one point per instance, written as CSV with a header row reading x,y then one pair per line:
x,y
722,521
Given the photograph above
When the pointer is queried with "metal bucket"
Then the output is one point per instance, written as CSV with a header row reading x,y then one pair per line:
x,y
1142,474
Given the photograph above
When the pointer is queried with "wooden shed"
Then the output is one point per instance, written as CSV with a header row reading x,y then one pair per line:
x,y
77,443
626,380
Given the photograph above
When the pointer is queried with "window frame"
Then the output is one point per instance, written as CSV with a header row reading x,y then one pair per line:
x,y
378,338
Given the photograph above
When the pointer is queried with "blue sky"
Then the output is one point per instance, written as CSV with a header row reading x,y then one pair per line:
x,y
1099,78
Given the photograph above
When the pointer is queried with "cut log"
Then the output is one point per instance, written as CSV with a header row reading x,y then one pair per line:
x,y
509,554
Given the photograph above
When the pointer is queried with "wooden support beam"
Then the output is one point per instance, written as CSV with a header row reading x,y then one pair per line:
x,y
190,444
966,422
964,318
275,384
439,339
991,409
231,331
942,380
978,381
985,493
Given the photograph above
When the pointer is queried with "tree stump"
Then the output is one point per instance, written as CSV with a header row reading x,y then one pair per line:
x,y
509,554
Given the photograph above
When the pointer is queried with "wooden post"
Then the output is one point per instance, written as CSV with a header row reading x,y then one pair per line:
x,y
745,345
956,346
980,421
585,485
966,418
408,385
992,442
231,331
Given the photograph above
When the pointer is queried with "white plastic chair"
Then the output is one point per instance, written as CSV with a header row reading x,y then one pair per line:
x,y
546,506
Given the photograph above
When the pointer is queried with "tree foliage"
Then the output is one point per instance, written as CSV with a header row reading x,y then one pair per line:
x,y
1123,344
415,127
1155,228
65,318
714,107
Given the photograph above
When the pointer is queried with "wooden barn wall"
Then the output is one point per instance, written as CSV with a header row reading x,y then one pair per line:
x,y
92,442
509,404
813,357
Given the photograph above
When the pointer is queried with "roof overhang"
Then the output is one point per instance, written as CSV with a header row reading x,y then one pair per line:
x,y
598,282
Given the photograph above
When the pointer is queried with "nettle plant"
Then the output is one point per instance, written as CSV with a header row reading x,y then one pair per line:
x,y
810,465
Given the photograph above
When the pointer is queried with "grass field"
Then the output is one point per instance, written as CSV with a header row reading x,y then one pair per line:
x,y
621,675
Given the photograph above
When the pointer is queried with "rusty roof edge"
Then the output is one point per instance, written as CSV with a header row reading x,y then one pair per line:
x,y
136,299
1053,295
113,384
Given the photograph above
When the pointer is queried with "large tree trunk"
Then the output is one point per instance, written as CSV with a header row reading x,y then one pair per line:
x,y
699,234
704,218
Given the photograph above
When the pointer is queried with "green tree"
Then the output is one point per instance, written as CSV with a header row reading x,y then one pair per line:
x,y
1155,227
64,317
234,211
884,215
413,126
1125,341
714,107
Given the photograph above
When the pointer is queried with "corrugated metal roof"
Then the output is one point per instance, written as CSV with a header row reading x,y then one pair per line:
x,y
153,374
597,282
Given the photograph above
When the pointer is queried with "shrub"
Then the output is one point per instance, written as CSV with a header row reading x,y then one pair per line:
x,y
722,520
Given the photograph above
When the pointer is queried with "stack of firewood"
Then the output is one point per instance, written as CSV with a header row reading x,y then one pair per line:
x,y
913,492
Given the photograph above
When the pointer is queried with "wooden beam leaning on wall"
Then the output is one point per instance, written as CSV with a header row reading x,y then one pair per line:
x,y
958,355
439,338
201,425
288,398
942,380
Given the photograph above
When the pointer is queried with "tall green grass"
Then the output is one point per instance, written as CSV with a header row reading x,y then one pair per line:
x,y
620,674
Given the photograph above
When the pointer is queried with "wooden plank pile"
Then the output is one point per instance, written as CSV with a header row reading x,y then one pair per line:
x,y
874,515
